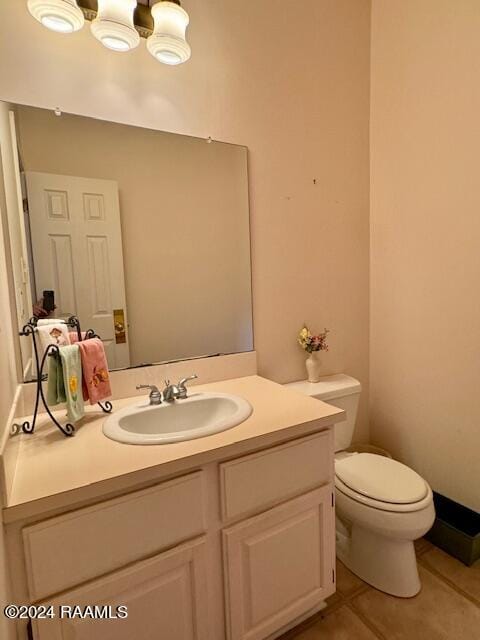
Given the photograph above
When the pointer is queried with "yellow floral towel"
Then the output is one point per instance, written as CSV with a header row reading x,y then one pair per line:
x,y
72,377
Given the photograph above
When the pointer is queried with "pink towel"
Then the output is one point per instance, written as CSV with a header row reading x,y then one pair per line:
x,y
95,370
74,336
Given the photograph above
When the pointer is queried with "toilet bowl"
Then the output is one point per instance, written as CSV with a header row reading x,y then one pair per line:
x,y
382,506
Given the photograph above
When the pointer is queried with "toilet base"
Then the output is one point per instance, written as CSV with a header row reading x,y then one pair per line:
x,y
387,564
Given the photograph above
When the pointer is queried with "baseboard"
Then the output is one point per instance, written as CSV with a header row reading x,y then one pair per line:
x,y
456,529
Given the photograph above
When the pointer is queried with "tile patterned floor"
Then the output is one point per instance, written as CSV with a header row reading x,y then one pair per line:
x,y
447,607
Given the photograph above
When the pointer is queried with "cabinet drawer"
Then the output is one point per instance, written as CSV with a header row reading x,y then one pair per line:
x,y
260,480
72,548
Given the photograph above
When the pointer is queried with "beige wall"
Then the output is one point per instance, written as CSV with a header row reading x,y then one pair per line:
x,y
185,228
289,81
425,239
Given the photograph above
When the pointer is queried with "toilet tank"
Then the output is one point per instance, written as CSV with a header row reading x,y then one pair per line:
x,y
343,392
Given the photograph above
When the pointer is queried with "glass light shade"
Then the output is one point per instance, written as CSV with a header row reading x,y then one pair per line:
x,y
167,43
62,16
114,26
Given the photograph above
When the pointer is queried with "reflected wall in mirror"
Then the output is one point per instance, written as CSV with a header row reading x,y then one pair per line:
x,y
143,235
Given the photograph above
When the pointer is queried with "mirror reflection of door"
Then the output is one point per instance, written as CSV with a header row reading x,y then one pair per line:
x,y
185,233
77,252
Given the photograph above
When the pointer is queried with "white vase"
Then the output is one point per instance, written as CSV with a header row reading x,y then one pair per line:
x,y
313,365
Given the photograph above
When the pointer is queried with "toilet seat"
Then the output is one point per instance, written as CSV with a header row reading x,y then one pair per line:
x,y
381,483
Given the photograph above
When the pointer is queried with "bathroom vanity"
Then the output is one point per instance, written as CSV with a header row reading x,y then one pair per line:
x,y
226,536
199,539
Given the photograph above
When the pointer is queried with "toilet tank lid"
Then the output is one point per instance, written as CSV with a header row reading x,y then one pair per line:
x,y
329,387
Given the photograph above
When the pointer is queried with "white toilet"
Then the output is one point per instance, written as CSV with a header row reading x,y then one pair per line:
x,y
382,506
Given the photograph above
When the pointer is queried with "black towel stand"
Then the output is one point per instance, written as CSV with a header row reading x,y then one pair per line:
x,y
52,350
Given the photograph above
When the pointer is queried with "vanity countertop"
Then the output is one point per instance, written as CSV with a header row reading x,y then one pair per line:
x,y
53,471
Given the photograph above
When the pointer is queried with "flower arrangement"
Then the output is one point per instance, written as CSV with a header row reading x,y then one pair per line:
x,y
311,343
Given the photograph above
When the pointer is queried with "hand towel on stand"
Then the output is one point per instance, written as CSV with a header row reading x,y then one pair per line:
x,y
72,376
52,334
74,340
43,321
95,369
56,386
74,336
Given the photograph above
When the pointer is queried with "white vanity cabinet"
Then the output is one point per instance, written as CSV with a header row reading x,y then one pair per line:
x,y
278,565
240,548
78,546
166,597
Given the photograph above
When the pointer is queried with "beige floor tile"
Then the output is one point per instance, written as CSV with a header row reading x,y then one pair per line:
x,y
334,600
466,578
436,613
347,582
422,546
342,624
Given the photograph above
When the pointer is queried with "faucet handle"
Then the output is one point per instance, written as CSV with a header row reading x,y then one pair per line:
x,y
181,385
152,387
155,395
184,380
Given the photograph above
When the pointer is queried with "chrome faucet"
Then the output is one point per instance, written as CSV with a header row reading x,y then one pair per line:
x,y
155,395
177,391
182,389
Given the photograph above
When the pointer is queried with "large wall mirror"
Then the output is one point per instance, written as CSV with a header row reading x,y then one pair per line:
x,y
143,235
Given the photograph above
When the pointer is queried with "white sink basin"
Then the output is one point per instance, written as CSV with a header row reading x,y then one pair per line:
x,y
199,415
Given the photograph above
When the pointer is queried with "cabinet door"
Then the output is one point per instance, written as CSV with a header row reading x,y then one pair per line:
x,y
166,597
279,565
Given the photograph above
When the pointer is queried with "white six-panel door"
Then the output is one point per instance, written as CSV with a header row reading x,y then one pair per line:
x,y
77,251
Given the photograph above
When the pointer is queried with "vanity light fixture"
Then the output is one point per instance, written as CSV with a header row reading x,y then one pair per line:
x,y
114,25
167,43
62,16
120,24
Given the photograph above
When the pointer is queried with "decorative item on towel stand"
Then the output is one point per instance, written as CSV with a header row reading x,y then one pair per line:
x,y
52,351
